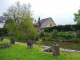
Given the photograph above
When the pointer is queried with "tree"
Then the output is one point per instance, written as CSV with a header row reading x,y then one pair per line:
x,y
8,21
22,20
77,17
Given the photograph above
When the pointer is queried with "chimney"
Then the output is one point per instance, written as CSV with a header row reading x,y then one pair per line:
x,y
39,19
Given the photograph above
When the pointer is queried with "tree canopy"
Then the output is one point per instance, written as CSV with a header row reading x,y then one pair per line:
x,y
22,20
77,17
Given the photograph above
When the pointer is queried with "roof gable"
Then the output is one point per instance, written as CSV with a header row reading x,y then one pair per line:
x,y
41,21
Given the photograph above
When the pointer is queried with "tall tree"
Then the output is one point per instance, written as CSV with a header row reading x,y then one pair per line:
x,y
77,17
23,20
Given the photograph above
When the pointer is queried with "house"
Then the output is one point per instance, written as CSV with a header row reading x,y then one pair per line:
x,y
41,24
2,21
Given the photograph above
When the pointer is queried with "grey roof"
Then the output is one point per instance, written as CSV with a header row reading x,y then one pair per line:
x,y
2,19
41,21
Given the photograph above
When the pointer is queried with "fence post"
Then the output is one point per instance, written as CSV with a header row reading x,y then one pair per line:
x,y
55,49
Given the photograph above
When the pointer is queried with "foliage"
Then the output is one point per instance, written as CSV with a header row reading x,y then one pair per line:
x,y
42,34
77,17
48,35
78,34
20,52
8,21
39,42
3,31
46,29
61,34
68,35
54,34
65,35
5,42
23,20
62,28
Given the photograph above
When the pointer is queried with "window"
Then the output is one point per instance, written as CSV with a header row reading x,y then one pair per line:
x,y
50,24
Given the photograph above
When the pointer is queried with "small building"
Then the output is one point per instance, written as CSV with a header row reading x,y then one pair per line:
x,y
41,24
2,21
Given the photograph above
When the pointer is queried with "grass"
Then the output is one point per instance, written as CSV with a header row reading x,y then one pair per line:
x,y
5,42
27,38
19,51
16,37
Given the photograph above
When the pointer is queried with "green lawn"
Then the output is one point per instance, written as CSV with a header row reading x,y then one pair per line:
x,y
19,51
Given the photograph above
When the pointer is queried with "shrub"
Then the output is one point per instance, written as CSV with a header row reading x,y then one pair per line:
x,y
61,34
46,29
54,34
5,42
78,34
3,31
48,35
65,35
42,34
39,41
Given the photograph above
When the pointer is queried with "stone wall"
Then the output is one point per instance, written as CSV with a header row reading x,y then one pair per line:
x,y
5,46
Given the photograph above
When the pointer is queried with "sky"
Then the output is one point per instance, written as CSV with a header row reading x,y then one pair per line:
x,y
61,11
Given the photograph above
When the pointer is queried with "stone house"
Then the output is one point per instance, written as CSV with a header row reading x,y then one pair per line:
x,y
41,24
2,21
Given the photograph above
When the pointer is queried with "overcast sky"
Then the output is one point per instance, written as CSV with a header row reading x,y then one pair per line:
x,y
61,11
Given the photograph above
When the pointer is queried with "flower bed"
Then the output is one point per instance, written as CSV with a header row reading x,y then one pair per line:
x,y
5,44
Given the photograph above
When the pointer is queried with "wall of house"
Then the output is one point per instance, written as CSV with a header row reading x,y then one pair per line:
x,y
47,23
1,25
37,28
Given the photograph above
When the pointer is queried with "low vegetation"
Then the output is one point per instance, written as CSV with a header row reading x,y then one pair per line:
x,y
61,35
5,42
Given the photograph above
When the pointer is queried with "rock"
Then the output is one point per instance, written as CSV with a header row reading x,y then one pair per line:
x,y
48,49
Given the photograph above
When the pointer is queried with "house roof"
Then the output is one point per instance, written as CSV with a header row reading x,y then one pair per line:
x,y
2,19
41,21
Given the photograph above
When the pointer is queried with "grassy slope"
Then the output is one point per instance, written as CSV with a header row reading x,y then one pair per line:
x,y
19,51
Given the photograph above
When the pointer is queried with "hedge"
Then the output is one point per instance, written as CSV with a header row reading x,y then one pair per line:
x,y
62,28
3,31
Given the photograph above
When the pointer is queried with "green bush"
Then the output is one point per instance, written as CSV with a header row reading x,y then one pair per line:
x,y
6,42
61,34
78,34
46,29
3,31
39,42
65,35
48,35
54,34
42,34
